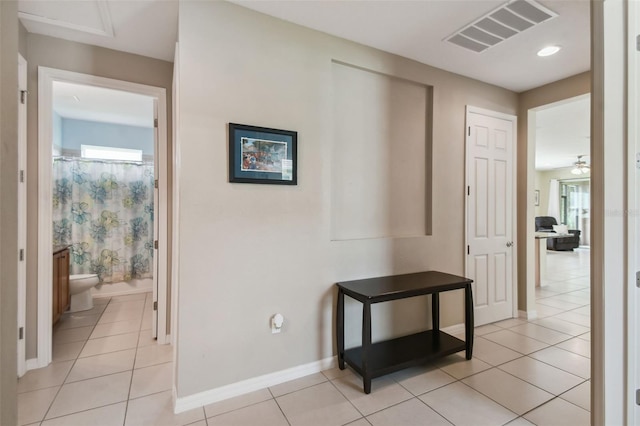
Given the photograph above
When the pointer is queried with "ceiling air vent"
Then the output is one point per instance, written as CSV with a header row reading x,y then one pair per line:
x,y
500,24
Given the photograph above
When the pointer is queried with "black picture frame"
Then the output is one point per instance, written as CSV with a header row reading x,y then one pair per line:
x,y
262,155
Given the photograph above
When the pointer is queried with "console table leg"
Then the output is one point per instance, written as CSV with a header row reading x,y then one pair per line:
x,y
435,316
435,311
340,328
468,321
366,345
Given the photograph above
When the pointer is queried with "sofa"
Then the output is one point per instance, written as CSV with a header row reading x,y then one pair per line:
x,y
545,224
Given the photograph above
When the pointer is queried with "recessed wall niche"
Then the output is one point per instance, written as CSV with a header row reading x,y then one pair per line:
x,y
381,155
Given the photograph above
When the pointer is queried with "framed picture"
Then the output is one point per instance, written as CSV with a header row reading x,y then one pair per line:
x,y
536,197
262,155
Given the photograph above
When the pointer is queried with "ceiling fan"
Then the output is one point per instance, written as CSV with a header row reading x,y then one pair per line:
x,y
580,167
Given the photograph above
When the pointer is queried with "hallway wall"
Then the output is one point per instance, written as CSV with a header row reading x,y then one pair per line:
x,y
240,66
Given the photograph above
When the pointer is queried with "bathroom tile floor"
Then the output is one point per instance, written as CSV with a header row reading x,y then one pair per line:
x,y
108,371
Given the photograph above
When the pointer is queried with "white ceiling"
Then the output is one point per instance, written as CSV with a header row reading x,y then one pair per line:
x,y
102,105
415,29
143,27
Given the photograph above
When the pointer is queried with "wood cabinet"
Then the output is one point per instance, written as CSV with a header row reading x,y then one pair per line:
x,y
61,296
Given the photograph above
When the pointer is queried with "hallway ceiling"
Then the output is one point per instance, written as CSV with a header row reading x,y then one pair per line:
x,y
413,29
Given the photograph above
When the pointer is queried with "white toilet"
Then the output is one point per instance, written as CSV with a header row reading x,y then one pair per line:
x,y
80,290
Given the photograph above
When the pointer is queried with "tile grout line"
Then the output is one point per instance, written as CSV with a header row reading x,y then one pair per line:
x,y
133,367
278,405
432,408
70,369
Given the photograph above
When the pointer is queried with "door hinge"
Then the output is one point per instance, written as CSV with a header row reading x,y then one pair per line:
x,y
468,250
155,184
638,43
637,396
21,176
155,244
155,122
23,96
21,255
638,279
21,333
468,190
469,133
155,306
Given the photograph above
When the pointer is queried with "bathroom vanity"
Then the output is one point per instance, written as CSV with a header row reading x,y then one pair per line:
x,y
61,297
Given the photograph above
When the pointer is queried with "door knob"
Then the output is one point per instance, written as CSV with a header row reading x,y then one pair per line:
x,y
509,244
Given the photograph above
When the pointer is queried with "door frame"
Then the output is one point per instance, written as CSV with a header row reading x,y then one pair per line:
x,y
514,192
46,77
633,205
22,214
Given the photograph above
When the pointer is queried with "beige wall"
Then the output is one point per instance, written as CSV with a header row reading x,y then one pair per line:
x,y
65,55
8,209
249,251
553,92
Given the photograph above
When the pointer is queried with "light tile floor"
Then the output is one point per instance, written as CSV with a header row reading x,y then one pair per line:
x,y
108,371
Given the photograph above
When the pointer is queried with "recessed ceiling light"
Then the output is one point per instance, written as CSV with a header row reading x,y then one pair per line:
x,y
548,51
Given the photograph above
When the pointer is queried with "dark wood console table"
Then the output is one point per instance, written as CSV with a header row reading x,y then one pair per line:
x,y
380,358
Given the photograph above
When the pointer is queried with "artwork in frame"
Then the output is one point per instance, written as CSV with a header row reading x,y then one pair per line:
x,y
262,155
536,197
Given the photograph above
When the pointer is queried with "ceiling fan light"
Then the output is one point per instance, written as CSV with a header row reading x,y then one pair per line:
x,y
580,167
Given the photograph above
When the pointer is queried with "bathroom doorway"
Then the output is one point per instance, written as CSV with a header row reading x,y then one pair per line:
x,y
82,117
103,187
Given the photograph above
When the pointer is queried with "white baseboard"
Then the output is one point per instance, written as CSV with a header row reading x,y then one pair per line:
x,y
255,383
528,315
123,288
32,364
454,329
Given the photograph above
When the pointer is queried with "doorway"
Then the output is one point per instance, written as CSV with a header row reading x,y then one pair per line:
x,y
559,162
50,82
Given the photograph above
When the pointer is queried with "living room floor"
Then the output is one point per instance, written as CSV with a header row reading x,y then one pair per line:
x,y
108,371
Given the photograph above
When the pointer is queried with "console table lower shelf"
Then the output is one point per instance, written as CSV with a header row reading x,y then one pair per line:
x,y
373,360
397,354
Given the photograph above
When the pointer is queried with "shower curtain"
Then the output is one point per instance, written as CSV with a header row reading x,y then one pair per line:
x,y
104,211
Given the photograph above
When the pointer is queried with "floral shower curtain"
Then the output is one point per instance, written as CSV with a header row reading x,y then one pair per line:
x,y
104,211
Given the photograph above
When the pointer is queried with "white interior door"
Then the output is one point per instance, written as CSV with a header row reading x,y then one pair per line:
x,y
490,213
22,212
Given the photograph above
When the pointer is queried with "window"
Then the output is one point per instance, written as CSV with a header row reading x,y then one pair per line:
x,y
110,153
574,206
